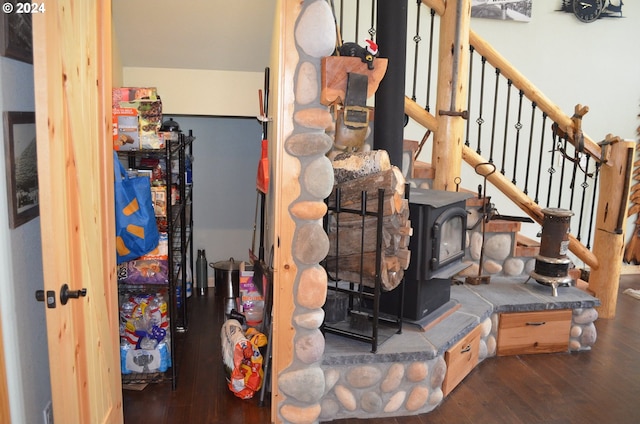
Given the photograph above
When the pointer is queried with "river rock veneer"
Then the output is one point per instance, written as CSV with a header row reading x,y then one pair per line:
x,y
411,371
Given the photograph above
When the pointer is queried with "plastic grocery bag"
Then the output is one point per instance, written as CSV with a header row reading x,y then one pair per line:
x,y
242,360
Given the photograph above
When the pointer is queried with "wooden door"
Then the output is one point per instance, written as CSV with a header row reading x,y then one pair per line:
x,y
72,73
5,416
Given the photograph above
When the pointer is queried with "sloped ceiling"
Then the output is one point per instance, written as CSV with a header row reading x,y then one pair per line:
x,y
227,35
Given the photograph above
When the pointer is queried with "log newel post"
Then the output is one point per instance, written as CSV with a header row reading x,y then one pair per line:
x,y
608,242
388,124
451,93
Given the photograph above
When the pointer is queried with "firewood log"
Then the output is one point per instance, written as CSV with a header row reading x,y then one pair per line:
x,y
351,166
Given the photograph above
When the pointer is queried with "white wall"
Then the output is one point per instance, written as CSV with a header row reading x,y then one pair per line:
x,y
23,318
200,92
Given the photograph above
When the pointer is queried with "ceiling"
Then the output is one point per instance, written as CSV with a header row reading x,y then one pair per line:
x,y
227,35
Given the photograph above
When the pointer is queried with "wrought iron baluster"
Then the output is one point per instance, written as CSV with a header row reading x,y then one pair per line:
x,y
372,29
471,50
564,162
495,110
572,185
518,127
584,186
480,121
428,107
526,175
593,204
357,29
416,40
541,155
506,126
551,169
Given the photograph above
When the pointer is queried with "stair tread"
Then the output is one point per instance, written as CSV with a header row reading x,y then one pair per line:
x,y
502,226
523,240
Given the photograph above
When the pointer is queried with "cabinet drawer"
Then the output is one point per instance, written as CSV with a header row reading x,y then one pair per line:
x,y
534,332
461,358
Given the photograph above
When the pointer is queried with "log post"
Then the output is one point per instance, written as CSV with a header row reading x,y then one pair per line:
x,y
452,93
608,242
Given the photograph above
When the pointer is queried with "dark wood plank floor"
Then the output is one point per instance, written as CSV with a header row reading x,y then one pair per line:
x,y
599,386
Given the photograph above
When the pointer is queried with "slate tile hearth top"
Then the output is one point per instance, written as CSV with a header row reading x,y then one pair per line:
x,y
509,296
476,304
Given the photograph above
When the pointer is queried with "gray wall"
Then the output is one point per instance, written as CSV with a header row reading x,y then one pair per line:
x,y
23,319
226,154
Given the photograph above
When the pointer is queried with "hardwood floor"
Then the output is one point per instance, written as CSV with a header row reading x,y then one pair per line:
x,y
599,386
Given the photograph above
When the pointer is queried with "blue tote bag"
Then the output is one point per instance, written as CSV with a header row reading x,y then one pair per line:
x,y
136,228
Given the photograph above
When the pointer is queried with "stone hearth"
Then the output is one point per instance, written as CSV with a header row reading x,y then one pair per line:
x,y
405,376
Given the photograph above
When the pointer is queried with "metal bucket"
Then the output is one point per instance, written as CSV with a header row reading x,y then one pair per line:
x,y
227,280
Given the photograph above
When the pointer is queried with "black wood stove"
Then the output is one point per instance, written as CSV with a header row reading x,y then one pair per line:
x,y
439,221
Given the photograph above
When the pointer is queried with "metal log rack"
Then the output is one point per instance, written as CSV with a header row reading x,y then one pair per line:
x,y
364,319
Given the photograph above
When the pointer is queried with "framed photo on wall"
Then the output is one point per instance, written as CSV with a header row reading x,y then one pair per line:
x,y
21,162
16,39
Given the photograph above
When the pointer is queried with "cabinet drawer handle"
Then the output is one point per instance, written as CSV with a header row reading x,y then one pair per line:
x,y
466,349
537,323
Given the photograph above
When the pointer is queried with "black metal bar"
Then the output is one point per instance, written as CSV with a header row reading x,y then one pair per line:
x,y
357,28
377,286
480,121
564,161
518,127
551,169
495,110
526,177
506,126
363,214
541,155
584,186
416,40
572,184
429,68
372,29
392,44
593,204
471,50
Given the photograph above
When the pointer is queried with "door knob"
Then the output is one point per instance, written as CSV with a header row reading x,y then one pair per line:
x,y
66,294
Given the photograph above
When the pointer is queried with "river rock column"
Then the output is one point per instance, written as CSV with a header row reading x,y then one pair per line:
x,y
303,381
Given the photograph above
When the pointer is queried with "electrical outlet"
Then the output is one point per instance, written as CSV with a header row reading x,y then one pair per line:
x,y
47,414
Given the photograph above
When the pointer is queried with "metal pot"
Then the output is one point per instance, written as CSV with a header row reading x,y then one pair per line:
x,y
227,278
170,125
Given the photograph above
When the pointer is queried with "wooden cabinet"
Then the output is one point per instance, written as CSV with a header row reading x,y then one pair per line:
x,y
533,332
461,358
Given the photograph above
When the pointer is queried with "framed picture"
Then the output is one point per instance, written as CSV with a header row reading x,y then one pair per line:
x,y
16,40
21,161
505,10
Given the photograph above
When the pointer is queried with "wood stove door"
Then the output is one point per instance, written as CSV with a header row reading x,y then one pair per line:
x,y
449,231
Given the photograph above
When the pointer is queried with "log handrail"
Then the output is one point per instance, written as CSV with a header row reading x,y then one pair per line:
x,y
524,202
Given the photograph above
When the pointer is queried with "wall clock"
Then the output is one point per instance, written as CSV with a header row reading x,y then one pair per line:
x,y
588,10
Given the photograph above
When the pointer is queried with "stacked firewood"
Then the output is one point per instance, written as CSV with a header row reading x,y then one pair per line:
x,y
353,234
